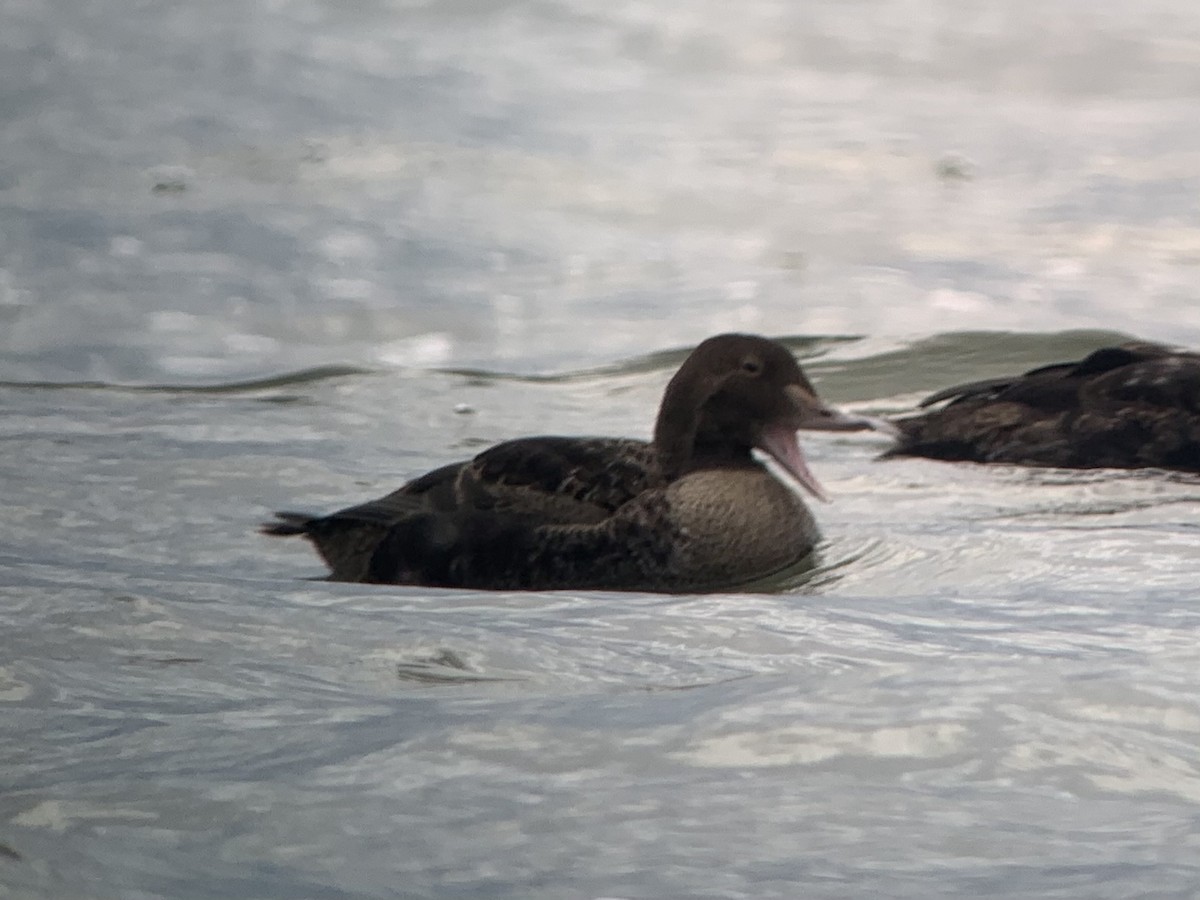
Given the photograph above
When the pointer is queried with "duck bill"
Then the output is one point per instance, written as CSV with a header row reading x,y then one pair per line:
x,y
810,413
779,442
813,414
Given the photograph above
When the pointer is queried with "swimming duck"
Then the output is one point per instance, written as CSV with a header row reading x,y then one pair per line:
x,y
1129,406
690,510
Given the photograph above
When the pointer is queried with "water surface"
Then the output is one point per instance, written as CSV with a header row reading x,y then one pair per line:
x,y
278,255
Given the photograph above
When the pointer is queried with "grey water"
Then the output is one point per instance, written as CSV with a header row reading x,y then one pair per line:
x,y
290,253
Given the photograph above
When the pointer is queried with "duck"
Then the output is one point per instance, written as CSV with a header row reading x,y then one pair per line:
x,y
691,510
1127,406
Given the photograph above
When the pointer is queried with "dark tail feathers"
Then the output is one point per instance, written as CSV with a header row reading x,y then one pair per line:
x,y
287,524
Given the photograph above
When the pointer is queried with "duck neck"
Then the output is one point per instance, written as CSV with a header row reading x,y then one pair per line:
x,y
676,426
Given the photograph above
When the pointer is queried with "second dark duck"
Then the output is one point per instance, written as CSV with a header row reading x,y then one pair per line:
x,y
1129,406
690,510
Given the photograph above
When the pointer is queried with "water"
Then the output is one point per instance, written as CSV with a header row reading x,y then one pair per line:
x,y
288,255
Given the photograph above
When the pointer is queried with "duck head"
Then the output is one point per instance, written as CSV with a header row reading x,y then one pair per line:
x,y
738,392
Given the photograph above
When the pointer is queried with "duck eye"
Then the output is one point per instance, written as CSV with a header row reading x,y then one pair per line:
x,y
751,366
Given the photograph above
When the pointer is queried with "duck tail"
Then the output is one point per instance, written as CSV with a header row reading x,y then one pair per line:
x,y
287,524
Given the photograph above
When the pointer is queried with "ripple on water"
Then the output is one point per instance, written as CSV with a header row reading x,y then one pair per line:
x,y
978,651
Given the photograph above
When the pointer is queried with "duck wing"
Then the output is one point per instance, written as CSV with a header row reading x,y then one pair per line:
x,y
1166,381
1047,384
509,548
1130,405
538,480
566,480
1145,414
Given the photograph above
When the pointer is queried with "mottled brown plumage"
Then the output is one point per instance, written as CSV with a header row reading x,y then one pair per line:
x,y
1131,406
690,510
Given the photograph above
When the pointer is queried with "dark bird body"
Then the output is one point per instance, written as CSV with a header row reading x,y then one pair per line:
x,y
690,510
1131,406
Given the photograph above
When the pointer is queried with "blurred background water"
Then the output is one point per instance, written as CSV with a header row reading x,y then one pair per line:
x,y
285,253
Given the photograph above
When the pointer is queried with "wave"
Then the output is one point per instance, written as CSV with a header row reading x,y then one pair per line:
x,y
850,367
249,385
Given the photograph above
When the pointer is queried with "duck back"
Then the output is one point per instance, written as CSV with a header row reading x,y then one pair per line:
x,y
1130,406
